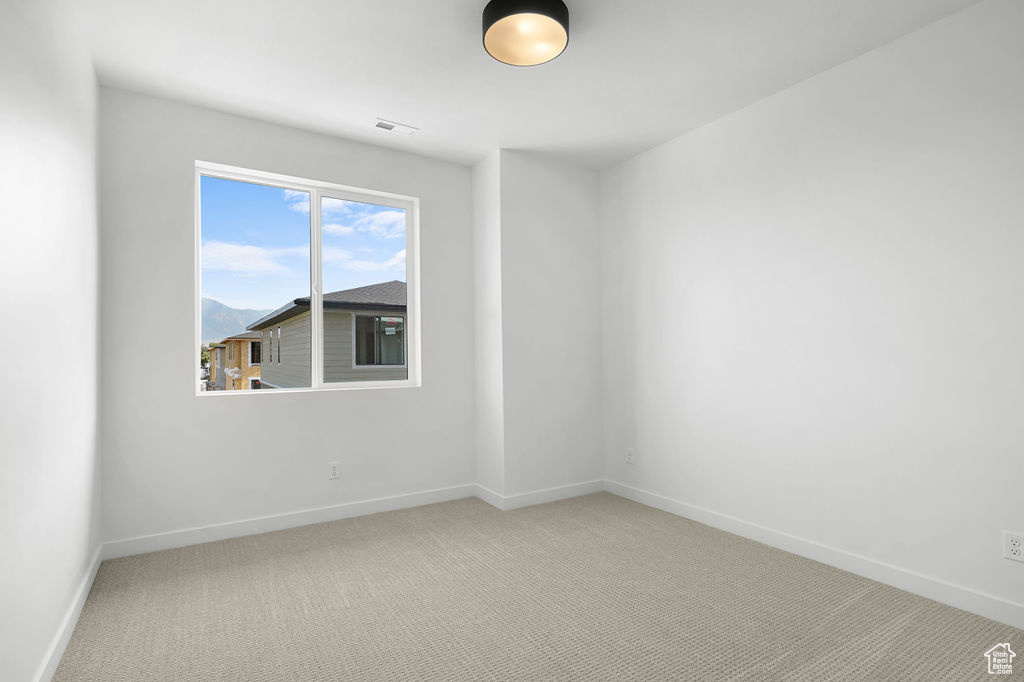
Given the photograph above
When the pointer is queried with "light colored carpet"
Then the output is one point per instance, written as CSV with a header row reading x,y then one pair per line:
x,y
596,587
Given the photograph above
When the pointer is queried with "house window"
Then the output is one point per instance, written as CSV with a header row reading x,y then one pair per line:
x,y
332,268
379,341
255,385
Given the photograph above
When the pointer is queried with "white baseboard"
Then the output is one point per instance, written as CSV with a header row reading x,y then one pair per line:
x,y
263,524
495,499
67,625
561,492
551,494
968,599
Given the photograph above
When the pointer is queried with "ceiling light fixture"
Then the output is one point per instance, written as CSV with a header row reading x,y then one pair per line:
x,y
525,32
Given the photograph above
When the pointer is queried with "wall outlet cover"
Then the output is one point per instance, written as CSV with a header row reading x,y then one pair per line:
x,y
1013,546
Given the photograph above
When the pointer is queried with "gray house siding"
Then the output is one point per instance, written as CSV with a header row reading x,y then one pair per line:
x,y
289,367
338,355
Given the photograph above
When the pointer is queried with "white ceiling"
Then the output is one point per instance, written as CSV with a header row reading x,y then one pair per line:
x,y
636,72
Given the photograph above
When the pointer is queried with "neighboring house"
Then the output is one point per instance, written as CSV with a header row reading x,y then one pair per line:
x,y
235,363
364,337
216,379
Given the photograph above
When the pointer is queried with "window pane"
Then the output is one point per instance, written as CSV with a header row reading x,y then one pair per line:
x,y
366,334
391,341
364,287
254,246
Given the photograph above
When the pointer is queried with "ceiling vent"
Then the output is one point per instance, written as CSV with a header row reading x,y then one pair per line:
x,y
397,128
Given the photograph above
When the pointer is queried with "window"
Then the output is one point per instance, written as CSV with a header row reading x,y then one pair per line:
x,y
379,341
329,293
360,294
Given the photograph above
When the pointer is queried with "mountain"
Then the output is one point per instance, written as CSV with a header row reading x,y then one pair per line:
x,y
221,321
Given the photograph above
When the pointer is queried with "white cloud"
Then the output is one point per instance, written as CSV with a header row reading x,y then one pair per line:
x,y
297,201
351,216
337,207
339,230
348,217
383,225
244,258
395,262
332,254
254,260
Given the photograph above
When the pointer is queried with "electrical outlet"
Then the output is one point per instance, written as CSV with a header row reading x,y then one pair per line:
x,y
333,470
1013,545
631,456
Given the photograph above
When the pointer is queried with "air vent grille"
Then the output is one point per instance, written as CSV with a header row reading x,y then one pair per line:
x,y
397,128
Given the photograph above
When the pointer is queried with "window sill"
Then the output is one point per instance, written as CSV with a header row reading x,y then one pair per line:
x,y
326,388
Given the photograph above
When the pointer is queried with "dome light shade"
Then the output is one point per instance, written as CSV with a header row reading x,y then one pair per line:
x,y
525,32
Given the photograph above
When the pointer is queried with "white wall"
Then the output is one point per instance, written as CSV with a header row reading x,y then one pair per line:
x,y
551,328
812,307
49,463
538,331
174,460
489,414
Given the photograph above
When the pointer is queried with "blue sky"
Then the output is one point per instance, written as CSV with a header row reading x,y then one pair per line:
x,y
255,244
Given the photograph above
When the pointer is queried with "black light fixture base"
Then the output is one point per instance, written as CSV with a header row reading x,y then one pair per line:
x,y
499,9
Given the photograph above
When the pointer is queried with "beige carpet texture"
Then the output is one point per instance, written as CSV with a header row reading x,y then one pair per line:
x,y
591,588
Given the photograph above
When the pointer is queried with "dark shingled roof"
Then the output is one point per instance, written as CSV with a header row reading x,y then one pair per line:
x,y
384,296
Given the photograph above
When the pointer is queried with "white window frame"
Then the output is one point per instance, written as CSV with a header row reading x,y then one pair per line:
x,y
376,367
252,379
317,190
251,363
